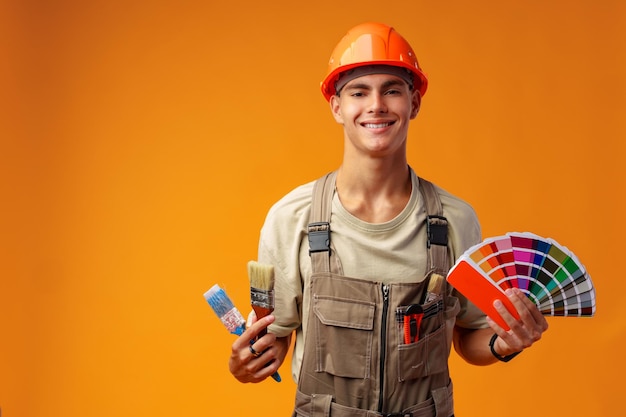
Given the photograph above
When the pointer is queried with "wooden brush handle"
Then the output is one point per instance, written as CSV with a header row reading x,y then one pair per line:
x,y
260,313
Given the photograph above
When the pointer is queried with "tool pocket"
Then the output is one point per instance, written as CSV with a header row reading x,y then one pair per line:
x,y
344,336
429,354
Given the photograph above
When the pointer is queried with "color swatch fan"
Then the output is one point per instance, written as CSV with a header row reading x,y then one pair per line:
x,y
548,273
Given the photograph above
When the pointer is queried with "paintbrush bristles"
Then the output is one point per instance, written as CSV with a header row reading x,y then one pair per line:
x,y
434,285
225,310
261,276
261,288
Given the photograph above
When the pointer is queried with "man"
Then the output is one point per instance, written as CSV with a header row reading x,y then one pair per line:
x,y
359,260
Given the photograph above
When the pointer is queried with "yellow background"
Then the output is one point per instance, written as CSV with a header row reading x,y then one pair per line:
x,y
142,143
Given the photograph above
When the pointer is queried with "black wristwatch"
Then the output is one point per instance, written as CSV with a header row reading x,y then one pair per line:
x,y
494,353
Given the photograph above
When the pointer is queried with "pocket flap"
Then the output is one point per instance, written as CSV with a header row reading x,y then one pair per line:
x,y
341,312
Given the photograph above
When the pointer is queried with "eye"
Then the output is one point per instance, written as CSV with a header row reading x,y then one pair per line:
x,y
392,92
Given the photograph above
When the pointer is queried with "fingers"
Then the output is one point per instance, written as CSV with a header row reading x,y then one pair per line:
x,y
255,362
531,313
263,364
531,318
525,330
254,352
253,331
252,359
258,347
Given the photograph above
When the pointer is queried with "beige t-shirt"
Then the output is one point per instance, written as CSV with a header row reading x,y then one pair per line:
x,y
390,252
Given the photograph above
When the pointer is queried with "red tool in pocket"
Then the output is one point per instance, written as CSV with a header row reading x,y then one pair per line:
x,y
412,321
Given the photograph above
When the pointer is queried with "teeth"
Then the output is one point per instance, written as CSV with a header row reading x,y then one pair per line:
x,y
376,125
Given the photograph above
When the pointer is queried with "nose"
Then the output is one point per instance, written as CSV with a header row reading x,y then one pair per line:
x,y
377,103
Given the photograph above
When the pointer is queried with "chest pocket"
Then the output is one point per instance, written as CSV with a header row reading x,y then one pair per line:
x,y
344,314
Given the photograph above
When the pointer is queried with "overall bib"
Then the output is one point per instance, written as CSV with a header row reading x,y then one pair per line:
x,y
357,362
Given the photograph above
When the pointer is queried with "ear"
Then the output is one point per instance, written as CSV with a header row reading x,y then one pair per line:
x,y
335,108
416,101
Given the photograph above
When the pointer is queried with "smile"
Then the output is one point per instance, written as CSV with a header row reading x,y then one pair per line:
x,y
377,125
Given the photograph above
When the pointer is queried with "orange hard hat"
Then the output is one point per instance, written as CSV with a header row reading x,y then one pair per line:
x,y
372,44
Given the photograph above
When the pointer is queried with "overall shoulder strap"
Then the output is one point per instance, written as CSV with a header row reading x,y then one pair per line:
x,y
323,258
436,230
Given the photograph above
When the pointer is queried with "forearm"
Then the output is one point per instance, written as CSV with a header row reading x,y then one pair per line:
x,y
282,347
473,346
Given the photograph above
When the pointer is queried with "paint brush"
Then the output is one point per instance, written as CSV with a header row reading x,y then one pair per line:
x,y
229,315
434,287
225,309
261,289
262,293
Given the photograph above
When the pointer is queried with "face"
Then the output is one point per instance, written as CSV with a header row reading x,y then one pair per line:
x,y
375,111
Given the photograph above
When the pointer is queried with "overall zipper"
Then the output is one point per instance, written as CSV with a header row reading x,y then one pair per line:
x,y
383,345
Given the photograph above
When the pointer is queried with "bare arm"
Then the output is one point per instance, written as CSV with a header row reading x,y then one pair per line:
x,y
473,345
247,367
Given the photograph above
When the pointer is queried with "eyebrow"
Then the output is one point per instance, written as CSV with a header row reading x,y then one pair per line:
x,y
364,86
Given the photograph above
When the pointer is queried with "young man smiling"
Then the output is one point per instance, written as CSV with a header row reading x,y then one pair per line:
x,y
375,110
360,257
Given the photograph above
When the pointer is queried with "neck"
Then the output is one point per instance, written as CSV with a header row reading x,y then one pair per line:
x,y
374,194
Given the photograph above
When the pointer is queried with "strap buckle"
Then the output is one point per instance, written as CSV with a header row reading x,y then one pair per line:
x,y
436,231
319,237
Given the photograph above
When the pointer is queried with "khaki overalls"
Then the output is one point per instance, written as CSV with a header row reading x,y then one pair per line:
x,y
356,362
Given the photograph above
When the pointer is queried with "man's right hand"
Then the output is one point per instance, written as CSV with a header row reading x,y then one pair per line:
x,y
254,362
